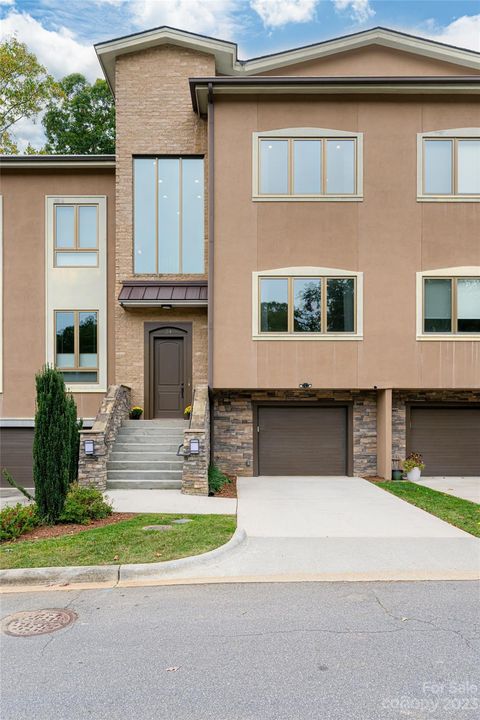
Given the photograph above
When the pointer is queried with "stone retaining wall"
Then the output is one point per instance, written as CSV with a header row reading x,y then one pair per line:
x,y
115,408
195,467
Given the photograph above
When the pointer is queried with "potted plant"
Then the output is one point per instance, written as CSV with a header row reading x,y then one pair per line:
x,y
413,466
187,412
136,413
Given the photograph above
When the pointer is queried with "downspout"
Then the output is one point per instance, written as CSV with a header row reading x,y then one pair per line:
x,y
211,230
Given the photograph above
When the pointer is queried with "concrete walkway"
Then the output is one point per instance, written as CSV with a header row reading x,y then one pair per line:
x,y
467,488
169,501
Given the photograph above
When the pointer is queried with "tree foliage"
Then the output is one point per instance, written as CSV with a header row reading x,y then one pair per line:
x,y
25,87
82,120
54,444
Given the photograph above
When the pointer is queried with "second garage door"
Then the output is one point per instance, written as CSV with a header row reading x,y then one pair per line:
x,y
448,439
295,440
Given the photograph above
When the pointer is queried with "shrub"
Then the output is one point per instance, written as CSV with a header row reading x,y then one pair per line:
x,y
84,504
413,460
16,520
216,479
136,412
75,426
51,444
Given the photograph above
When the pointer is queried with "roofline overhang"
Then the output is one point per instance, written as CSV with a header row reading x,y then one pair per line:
x,y
226,53
163,303
416,85
57,161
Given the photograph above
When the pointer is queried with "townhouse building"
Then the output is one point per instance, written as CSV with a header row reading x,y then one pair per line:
x,y
291,242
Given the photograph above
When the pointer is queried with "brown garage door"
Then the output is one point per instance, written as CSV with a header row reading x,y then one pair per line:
x,y
302,440
448,438
16,455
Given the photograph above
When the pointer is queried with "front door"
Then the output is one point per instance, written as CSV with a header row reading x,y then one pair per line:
x,y
168,377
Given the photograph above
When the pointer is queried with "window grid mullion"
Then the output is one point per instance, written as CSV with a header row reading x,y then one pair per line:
x,y
180,217
454,166
156,218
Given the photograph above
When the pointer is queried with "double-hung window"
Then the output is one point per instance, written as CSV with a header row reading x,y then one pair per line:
x,y
451,305
449,165
76,356
169,211
307,164
306,306
75,233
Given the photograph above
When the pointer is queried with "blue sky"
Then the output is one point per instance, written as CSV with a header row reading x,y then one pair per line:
x,y
62,32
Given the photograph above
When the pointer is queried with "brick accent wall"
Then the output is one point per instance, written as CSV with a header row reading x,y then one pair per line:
x,y
154,117
233,426
401,397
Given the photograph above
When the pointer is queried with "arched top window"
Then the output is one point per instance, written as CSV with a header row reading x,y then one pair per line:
x,y
307,164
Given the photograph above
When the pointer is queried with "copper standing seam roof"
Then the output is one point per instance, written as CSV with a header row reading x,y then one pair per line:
x,y
157,293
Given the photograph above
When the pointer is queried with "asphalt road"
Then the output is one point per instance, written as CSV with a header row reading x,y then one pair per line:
x,y
346,651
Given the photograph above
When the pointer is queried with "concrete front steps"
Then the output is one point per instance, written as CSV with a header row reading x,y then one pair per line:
x,y
144,456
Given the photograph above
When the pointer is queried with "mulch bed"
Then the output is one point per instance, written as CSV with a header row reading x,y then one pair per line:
x,y
374,479
229,490
45,532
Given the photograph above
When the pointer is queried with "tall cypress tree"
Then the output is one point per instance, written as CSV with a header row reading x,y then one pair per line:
x,y
52,444
75,426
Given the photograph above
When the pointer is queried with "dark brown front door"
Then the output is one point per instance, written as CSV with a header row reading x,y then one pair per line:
x,y
168,377
448,439
302,440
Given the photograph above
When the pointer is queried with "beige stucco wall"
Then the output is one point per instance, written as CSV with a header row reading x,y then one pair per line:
x,y
371,61
24,350
389,236
154,117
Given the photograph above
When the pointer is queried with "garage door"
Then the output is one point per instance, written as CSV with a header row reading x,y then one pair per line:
x,y
448,438
302,440
16,455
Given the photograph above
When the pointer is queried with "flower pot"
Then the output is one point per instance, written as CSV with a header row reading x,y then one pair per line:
x,y
414,475
397,475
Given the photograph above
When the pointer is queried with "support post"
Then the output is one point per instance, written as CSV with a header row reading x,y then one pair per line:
x,y
384,433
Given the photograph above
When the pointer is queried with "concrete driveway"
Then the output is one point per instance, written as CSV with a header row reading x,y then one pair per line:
x,y
336,507
467,488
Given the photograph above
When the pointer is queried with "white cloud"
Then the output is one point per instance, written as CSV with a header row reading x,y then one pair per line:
x,y
463,32
59,51
7,2
27,131
210,17
275,13
360,10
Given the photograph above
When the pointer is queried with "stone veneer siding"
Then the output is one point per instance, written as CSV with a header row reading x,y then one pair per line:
x,y
401,397
233,426
154,117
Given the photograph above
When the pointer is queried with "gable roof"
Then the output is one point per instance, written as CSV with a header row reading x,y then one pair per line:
x,y
226,53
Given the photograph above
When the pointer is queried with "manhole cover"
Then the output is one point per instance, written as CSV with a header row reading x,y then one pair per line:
x,y
37,622
159,528
182,521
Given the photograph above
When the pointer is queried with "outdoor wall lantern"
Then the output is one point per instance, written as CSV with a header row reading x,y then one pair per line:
x,y
89,447
194,446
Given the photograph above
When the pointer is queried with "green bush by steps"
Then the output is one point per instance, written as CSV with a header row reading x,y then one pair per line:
x,y
17,520
84,504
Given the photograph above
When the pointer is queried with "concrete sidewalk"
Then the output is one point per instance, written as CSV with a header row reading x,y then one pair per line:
x,y
467,488
170,501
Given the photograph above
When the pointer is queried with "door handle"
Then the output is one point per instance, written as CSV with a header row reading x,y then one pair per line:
x,y
181,390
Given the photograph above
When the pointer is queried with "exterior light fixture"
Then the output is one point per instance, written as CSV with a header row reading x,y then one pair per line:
x,y
194,446
305,385
166,307
89,447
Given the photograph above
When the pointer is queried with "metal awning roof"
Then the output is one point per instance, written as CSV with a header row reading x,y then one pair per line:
x,y
160,293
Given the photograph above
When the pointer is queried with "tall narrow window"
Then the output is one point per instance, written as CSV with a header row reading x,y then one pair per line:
x,y
438,305
76,345
274,304
341,304
468,305
169,215
307,304
76,235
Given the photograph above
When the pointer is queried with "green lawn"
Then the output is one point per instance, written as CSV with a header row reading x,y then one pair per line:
x,y
461,513
123,542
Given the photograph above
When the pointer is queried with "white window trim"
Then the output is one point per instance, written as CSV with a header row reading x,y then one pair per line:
x,y
73,288
473,132
304,272
287,133
453,272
